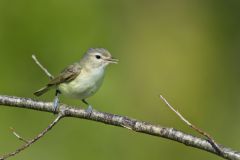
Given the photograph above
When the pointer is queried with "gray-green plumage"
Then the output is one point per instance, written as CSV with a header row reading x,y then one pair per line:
x,y
68,74
81,79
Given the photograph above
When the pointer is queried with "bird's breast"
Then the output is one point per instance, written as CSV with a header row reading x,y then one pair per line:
x,y
84,85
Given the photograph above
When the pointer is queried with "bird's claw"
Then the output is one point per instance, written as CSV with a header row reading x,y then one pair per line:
x,y
89,110
55,104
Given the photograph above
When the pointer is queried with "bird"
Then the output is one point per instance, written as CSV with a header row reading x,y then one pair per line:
x,y
82,79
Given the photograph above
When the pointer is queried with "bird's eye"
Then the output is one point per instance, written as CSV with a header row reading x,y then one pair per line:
x,y
98,56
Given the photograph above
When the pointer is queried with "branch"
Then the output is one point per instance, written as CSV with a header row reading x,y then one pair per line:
x,y
29,143
41,134
50,76
210,139
18,136
121,121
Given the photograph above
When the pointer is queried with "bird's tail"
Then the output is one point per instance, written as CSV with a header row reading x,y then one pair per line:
x,y
41,91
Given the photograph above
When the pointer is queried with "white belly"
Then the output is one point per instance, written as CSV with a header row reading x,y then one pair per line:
x,y
84,85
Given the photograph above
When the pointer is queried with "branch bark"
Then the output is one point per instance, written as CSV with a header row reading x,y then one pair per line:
x,y
121,121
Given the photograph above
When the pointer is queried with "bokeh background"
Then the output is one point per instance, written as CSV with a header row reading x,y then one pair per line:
x,y
186,50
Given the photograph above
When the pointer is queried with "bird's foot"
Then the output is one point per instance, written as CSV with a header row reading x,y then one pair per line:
x,y
56,101
55,104
89,110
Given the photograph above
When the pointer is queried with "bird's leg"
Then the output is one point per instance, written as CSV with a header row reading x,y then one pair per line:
x,y
89,109
56,100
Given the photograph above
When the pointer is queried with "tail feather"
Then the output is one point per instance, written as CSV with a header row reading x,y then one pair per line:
x,y
41,91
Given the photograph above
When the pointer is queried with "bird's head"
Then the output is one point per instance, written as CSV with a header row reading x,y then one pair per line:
x,y
98,58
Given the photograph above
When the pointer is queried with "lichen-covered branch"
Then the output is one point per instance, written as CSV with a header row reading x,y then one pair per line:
x,y
122,121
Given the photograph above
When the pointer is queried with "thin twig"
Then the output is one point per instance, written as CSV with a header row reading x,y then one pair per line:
x,y
18,136
209,138
50,76
29,143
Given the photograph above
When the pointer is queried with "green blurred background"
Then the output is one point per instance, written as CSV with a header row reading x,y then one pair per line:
x,y
186,50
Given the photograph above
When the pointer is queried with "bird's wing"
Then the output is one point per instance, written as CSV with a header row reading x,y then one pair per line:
x,y
67,75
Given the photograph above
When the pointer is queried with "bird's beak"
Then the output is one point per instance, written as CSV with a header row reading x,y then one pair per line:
x,y
112,60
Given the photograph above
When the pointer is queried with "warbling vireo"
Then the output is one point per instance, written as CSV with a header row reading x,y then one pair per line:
x,y
81,79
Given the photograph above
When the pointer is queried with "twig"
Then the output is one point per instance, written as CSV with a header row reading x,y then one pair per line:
x,y
29,143
209,138
50,76
18,136
120,121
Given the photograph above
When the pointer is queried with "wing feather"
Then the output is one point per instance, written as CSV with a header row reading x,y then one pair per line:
x,y
67,75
